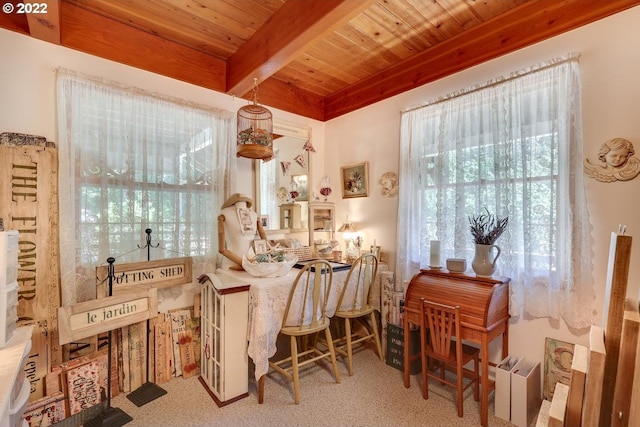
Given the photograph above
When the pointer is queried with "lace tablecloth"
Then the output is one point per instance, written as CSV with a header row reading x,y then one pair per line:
x,y
267,302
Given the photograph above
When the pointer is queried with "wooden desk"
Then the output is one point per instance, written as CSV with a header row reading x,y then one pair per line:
x,y
484,313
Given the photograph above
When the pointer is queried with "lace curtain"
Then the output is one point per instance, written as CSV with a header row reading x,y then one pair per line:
x,y
131,160
512,146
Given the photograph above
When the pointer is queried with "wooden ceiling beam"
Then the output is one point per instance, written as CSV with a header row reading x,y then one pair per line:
x,y
530,23
13,21
285,35
278,94
44,20
96,35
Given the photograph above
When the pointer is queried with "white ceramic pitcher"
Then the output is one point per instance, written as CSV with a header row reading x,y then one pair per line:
x,y
484,263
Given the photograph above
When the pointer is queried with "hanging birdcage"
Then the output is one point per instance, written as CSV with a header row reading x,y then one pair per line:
x,y
255,130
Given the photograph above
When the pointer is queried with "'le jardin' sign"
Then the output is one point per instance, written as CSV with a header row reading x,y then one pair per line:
x,y
86,319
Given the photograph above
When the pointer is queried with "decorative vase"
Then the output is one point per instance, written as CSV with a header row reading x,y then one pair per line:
x,y
325,189
484,263
293,190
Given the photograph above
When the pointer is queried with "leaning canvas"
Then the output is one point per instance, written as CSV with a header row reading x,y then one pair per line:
x,y
558,356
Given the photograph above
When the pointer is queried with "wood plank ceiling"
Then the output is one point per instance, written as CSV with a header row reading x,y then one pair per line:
x,y
317,58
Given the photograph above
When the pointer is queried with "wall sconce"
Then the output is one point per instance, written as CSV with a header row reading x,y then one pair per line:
x,y
352,240
255,130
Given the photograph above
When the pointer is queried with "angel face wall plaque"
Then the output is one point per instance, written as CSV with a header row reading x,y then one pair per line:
x,y
617,162
389,183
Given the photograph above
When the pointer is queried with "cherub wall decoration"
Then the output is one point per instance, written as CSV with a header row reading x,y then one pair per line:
x,y
617,162
389,183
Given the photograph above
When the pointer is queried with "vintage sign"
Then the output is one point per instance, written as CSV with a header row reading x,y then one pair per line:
x,y
126,307
105,314
29,204
160,274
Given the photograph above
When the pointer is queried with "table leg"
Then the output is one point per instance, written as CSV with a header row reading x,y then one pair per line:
x,y
261,389
407,356
505,340
484,382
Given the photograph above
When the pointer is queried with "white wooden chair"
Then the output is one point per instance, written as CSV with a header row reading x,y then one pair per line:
x,y
305,316
358,307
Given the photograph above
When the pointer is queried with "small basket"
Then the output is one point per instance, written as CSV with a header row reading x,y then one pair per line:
x,y
255,151
305,253
328,256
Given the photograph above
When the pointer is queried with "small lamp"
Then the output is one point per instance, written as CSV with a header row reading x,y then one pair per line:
x,y
352,240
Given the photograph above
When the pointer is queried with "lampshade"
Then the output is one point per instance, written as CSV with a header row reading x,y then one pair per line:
x,y
347,227
351,240
255,130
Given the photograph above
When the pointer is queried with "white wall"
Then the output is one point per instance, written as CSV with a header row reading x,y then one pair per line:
x,y
610,60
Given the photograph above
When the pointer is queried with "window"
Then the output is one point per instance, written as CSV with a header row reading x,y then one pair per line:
x,y
131,161
514,147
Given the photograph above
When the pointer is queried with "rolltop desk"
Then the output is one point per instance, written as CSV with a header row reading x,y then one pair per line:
x,y
484,313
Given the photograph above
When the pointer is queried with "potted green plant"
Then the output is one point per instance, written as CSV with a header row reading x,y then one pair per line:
x,y
485,229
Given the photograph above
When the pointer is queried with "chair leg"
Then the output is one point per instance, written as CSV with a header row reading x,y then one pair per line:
x,y
476,386
294,368
332,352
374,326
347,325
423,357
460,383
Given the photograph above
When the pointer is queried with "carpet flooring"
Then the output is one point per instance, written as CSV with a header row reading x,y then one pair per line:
x,y
374,396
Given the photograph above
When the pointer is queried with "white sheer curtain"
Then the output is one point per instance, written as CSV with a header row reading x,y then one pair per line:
x,y
514,147
131,160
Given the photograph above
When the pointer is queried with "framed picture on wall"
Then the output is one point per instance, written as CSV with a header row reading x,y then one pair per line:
x,y
355,180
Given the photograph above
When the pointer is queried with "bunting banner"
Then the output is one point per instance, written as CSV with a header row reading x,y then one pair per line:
x,y
308,147
300,160
285,167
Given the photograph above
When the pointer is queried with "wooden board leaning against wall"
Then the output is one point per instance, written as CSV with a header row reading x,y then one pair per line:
x,y
29,204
